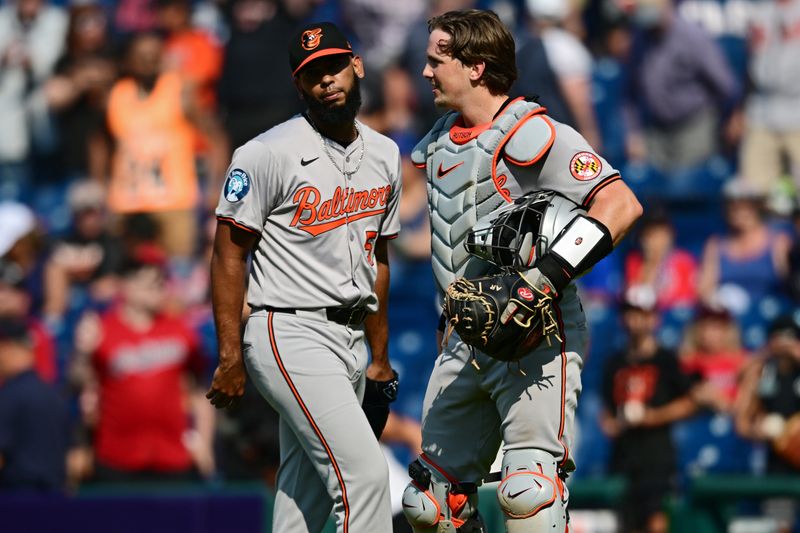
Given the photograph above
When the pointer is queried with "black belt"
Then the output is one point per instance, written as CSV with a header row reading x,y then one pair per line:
x,y
346,316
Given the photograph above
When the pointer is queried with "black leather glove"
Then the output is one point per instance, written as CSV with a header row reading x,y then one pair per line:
x,y
377,397
505,316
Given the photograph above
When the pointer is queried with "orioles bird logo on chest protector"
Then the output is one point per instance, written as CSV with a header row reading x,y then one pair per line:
x,y
311,38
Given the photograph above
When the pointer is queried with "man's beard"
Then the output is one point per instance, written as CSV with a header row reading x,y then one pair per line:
x,y
336,115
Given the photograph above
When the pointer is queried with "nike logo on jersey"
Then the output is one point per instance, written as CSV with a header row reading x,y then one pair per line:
x,y
304,162
442,172
315,216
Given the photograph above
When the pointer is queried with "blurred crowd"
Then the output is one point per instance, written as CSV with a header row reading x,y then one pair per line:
x,y
119,119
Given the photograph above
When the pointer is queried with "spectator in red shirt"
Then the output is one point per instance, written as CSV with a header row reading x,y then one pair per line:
x,y
669,271
151,423
712,351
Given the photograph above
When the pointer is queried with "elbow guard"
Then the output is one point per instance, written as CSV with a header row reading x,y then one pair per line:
x,y
581,245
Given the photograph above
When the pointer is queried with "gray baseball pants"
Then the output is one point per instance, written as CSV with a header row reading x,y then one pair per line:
x,y
312,372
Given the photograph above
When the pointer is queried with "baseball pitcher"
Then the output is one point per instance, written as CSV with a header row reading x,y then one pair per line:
x,y
313,202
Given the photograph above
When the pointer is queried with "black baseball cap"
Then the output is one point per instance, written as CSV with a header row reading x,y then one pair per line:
x,y
315,40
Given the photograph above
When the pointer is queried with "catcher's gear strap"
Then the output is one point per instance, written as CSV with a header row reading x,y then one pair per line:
x,y
582,244
530,141
531,494
434,502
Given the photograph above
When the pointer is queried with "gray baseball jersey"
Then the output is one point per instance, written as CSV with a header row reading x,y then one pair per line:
x,y
318,225
470,172
318,209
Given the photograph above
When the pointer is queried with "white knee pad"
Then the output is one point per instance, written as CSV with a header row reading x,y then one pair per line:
x,y
434,504
531,494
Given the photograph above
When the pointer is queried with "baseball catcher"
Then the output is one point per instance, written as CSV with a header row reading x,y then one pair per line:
x,y
505,275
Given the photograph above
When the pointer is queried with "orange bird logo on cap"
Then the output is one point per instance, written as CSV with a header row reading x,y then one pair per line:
x,y
311,38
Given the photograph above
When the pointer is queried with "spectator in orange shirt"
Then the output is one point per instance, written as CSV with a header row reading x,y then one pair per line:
x,y
191,52
152,116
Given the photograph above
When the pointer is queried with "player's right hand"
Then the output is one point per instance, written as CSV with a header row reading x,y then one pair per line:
x,y
227,386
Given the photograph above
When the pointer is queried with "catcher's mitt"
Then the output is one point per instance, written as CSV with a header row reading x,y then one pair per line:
x,y
505,316
787,444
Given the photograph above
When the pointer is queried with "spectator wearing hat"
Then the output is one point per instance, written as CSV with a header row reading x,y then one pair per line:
x,y
712,352
749,262
143,372
21,244
644,392
670,272
33,418
770,392
21,286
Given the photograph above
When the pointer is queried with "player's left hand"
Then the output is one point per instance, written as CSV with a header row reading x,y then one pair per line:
x,y
378,394
227,386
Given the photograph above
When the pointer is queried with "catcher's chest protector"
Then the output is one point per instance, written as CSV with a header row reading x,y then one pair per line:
x,y
467,179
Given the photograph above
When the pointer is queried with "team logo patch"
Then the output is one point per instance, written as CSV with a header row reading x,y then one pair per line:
x,y
525,293
237,185
585,166
311,38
